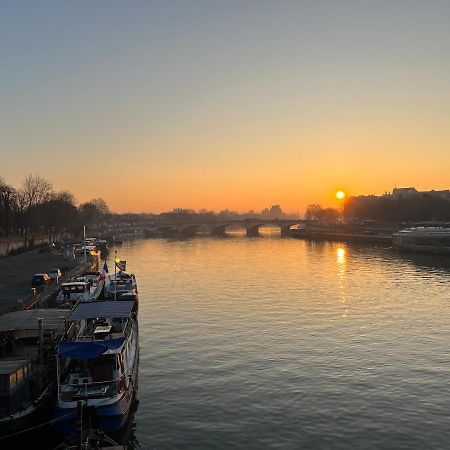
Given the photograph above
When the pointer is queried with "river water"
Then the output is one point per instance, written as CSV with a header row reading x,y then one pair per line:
x,y
281,343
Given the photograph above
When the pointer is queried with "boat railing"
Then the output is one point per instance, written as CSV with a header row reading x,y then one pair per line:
x,y
85,333
91,389
91,338
72,331
118,330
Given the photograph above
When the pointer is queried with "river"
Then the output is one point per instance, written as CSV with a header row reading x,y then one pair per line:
x,y
281,343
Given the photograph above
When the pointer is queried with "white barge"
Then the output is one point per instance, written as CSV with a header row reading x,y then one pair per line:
x,y
434,240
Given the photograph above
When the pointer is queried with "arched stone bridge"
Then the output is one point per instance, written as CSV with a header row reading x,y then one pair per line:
x,y
220,228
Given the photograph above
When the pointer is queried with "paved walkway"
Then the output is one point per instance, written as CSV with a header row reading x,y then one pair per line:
x,y
16,273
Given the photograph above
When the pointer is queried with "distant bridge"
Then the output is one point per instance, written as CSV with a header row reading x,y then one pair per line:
x,y
220,228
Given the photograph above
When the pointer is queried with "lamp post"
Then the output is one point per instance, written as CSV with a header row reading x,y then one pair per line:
x,y
115,275
84,244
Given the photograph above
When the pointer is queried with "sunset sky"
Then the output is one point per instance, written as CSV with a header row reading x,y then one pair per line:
x,y
225,104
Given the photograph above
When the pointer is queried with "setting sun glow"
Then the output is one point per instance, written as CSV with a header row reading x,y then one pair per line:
x,y
340,195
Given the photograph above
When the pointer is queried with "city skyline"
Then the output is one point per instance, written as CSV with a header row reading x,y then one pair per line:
x,y
154,106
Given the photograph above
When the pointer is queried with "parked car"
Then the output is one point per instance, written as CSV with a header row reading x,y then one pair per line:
x,y
54,274
40,279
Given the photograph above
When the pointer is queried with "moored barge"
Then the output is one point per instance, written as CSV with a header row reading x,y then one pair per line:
x,y
27,366
98,366
434,240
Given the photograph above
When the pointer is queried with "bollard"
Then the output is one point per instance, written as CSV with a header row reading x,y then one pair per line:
x,y
33,298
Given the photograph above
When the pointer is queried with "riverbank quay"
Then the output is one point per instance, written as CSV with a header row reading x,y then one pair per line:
x,y
10,245
16,272
16,245
346,233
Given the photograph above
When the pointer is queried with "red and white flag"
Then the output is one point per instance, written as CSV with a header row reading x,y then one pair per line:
x,y
104,272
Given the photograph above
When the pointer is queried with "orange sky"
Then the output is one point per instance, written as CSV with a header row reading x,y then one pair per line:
x,y
238,106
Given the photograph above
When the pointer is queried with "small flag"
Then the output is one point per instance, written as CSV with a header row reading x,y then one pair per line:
x,y
121,265
104,272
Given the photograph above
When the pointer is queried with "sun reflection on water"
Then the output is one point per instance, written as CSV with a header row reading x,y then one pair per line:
x,y
341,257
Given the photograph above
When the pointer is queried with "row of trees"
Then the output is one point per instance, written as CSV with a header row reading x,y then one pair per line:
x,y
180,215
183,215
315,213
420,207
36,209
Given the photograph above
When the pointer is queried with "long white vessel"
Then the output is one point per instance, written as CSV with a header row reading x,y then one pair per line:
x,y
435,240
98,365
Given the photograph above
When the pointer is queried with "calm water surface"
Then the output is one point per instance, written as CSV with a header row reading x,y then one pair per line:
x,y
282,343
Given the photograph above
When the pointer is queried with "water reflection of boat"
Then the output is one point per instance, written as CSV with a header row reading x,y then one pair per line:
x,y
89,437
27,368
92,439
432,240
342,234
98,366
428,261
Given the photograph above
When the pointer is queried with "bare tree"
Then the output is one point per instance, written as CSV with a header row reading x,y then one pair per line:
x,y
101,205
59,215
313,212
36,190
94,212
7,208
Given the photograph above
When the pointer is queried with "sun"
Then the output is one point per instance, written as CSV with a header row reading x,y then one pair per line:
x,y
340,195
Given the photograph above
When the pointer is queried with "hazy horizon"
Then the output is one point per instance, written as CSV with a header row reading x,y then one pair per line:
x,y
239,105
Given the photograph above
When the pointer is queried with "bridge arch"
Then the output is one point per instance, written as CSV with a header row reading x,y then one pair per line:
x,y
189,230
219,230
252,230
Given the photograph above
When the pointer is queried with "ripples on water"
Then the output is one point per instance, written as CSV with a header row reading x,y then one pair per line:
x,y
282,343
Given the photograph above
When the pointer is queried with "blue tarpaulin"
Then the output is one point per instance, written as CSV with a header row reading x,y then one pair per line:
x,y
88,350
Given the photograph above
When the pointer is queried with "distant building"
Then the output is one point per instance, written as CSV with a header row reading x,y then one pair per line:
x,y
274,212
402,205
445,194
404,192
409,192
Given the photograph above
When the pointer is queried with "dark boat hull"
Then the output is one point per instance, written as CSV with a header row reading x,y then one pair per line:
x,y
39,414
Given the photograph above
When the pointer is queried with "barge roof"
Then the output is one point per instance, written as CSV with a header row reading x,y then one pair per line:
x,y
28,320
109,309
8,366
